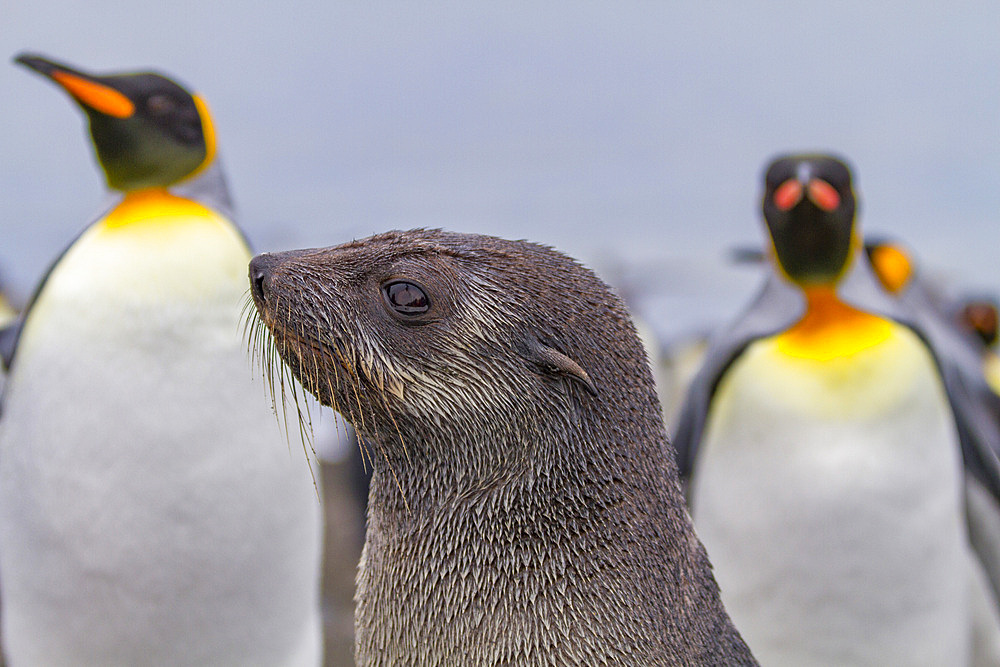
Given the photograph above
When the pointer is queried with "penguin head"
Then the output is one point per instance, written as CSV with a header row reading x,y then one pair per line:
x,y
980,318
148,130
809,208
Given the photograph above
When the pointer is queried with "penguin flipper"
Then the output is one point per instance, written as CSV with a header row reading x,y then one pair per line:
x,y
975,405
977,411
9,336
776,306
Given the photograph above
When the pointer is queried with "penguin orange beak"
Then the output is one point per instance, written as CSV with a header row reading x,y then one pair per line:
x,y
85,89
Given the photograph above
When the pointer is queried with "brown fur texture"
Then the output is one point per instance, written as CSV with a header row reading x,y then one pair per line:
x,y
524,507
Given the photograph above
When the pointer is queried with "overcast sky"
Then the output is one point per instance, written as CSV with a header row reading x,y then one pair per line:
x,y
629,134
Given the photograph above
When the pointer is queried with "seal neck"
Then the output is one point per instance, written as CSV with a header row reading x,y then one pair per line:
x,y
437,474
548,534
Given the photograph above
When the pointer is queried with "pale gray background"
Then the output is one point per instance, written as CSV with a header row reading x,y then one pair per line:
x,y
625,133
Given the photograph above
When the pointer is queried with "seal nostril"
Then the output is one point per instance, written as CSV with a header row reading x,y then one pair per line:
x,y
257,283
258,275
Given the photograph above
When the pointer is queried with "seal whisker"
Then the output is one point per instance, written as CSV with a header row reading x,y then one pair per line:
x,y
250,335
274,370
267,360
249,317
306,434
306,430
330,379
260,350
262,346
355,386
357,399
395,424
264,351
257,340
315,358
366,455
392,471
247,313
282,413
296,344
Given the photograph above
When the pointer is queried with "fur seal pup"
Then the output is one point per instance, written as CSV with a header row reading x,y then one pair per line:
x,y
150,511
525,507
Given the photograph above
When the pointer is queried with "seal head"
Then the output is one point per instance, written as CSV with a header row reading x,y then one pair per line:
x,y
524,506
366,326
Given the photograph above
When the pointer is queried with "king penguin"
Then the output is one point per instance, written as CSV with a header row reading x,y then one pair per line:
x,y
824,457
150,510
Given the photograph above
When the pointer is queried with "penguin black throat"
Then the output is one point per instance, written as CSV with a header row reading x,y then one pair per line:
x,y
812,246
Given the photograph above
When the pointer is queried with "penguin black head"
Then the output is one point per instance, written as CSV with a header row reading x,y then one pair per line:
x,y
809,208
148,130
981,318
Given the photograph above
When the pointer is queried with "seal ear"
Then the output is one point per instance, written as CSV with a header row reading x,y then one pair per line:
x,y
552,359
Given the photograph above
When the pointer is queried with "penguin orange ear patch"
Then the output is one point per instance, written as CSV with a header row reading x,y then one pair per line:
x,y
892,267
787,194
823,195
98,97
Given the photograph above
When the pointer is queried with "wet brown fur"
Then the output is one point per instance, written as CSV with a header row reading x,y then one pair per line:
x,y
520,512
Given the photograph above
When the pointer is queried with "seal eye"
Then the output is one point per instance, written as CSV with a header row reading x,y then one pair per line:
x,y
406,298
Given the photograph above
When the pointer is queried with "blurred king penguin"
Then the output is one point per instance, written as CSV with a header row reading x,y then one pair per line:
x,y
150,511
824,457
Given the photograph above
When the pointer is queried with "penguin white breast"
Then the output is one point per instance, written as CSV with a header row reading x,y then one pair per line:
x,y
828,496
151,511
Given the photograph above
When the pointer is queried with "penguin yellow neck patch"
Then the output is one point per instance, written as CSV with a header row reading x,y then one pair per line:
x,y
831,328
151,205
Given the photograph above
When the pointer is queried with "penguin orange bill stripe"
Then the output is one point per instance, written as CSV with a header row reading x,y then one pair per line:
x,y
94,95
788,194
823,194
